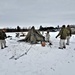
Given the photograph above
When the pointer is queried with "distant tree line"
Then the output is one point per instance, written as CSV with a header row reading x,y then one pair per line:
x,y
53,29
19,29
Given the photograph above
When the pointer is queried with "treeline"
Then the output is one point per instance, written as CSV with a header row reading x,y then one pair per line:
x,y
19,29
41,28
52,29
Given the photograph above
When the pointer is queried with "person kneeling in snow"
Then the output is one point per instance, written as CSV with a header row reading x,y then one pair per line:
x,y
47,38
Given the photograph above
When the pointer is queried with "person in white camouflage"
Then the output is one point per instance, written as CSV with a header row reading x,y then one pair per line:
x,y
47,38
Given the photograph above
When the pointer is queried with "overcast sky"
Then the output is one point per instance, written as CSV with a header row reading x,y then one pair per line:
x,y
36,12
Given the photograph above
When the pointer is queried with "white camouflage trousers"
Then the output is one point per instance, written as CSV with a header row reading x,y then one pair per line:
x,y
68,40
62,43
2,43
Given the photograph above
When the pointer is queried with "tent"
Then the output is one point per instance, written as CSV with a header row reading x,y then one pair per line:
x,y
34,36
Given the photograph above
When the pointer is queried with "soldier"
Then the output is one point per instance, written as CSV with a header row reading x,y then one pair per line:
x,y
2,39
63,34
47,38
68,35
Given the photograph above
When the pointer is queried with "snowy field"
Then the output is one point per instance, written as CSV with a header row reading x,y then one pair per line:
x,y
39,60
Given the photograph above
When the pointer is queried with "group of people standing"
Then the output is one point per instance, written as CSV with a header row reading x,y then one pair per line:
x,y
64,33
2,39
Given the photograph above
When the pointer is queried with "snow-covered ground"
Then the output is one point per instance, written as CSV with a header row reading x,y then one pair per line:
x,y
39,60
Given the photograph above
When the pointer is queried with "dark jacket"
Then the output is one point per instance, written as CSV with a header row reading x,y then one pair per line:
x,y
63,33
69,30
2,35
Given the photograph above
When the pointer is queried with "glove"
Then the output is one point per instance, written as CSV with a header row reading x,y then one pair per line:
x,y
56,37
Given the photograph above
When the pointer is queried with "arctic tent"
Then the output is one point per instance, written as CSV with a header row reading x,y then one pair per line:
x,y
34,36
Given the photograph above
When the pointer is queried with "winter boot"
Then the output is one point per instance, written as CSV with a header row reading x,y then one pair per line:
x,y
64,47
60,48
2,48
